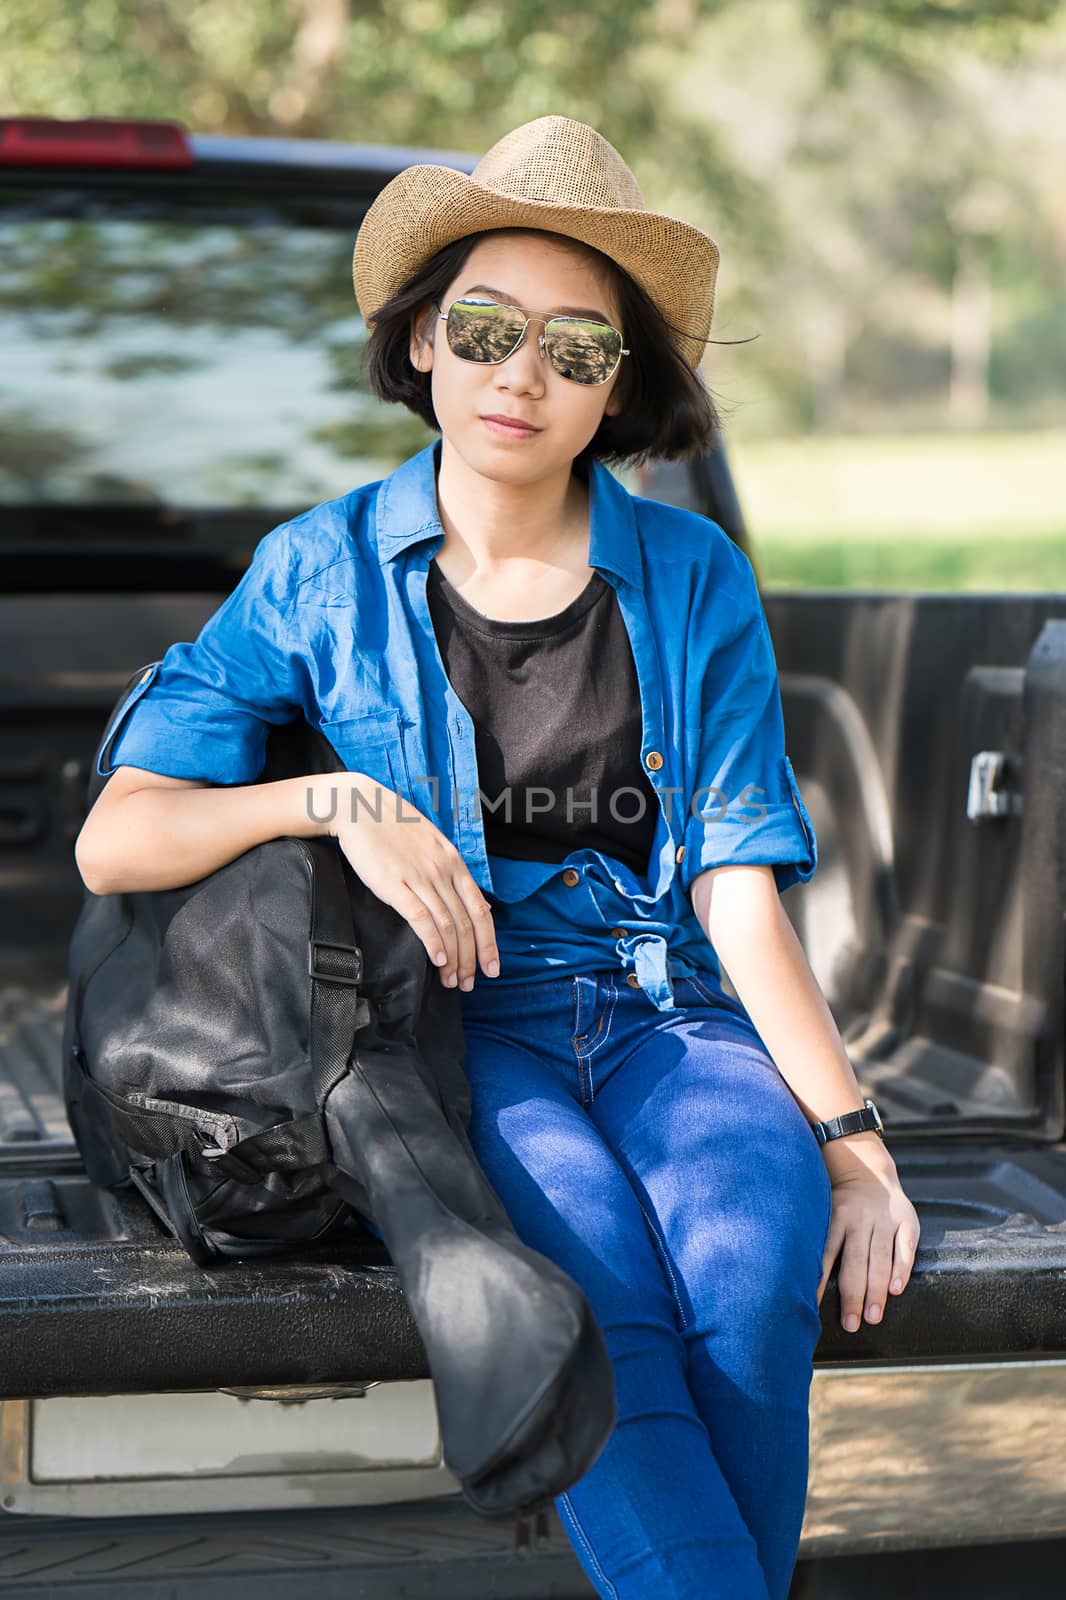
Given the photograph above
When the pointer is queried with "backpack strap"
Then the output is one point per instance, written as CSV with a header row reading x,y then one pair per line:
x,y
335,963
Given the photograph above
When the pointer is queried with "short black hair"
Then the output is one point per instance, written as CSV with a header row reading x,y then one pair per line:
x,y
666,411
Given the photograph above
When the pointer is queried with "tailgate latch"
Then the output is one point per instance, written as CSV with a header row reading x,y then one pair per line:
x,y
986,795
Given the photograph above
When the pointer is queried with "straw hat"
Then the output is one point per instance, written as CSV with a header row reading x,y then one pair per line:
x,y
552,173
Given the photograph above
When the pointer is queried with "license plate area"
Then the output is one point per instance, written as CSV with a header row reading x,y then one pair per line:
x,y
213,1451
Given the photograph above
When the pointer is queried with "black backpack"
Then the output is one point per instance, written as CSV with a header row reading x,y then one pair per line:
x,y
260,1054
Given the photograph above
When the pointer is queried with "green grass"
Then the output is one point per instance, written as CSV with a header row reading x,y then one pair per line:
x,y
910,561
961,512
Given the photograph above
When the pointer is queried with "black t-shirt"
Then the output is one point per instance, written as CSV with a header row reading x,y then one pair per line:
x,y
556,710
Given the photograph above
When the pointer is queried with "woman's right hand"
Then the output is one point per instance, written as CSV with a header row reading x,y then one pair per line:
x,y
406,861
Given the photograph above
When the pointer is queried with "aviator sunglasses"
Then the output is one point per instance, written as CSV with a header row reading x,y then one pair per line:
x,y
584,351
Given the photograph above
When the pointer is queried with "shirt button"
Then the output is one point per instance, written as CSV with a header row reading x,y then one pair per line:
x,y
633,981
571,877
680,853
619,933
654,760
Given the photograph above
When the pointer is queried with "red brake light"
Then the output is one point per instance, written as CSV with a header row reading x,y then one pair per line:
x,y
92,142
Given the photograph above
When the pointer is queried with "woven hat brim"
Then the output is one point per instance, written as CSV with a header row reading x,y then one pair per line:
x,y
427,207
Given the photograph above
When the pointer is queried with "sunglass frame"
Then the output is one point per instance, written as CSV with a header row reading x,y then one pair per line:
x,y
542,338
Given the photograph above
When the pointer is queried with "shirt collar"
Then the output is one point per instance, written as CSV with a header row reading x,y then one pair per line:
x,y
407,513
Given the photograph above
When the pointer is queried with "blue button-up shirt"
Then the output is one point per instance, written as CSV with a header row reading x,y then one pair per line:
x,y
331,622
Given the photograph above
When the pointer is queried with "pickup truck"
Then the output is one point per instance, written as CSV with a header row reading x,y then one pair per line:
x,y
179,373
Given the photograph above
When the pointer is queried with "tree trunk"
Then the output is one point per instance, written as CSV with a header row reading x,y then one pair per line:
x,y
971,306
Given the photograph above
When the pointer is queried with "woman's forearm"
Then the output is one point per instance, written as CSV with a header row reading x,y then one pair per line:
x,y
740,911
164,838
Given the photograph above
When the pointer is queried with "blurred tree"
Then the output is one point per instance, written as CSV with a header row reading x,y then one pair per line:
x,y
918,191
852,166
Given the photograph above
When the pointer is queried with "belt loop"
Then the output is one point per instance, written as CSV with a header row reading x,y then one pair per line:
x,y
577,1006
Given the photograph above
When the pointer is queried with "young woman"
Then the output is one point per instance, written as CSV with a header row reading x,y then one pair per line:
x,y
567,697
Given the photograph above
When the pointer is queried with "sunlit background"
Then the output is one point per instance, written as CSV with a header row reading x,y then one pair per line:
x,y
885,184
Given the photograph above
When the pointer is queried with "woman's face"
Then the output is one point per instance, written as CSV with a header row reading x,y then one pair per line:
x,y
541,274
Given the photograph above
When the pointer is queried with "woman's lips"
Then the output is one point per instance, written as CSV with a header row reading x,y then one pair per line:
x,y
509,430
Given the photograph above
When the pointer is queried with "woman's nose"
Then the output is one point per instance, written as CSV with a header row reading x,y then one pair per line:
x,y
527,361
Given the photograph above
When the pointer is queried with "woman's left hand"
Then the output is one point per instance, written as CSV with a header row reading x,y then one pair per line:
x,y
875,1224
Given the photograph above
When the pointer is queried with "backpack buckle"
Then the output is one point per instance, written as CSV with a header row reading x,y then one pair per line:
x,y
211,1152
319,947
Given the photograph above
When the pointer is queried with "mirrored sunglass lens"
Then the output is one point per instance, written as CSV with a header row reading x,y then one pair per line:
x,y
483,332
585,352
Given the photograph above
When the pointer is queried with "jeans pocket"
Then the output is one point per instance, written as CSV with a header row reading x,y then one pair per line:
x,y
722,1002
701,989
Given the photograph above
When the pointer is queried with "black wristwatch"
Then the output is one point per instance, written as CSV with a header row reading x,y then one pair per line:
x,y
866,1120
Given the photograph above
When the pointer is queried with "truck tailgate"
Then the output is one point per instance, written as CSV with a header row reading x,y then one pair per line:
x,y
95,1297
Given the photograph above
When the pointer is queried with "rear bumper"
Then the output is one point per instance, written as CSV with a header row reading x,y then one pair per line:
x,y
920,1456
436,1550
903,1457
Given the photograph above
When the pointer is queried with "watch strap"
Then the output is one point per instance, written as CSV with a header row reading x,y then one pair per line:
x,y
865,1121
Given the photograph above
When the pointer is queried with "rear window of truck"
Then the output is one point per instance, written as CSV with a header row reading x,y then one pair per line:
x,y
192,352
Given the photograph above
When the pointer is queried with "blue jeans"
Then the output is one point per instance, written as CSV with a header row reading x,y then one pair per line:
x,y
661,1160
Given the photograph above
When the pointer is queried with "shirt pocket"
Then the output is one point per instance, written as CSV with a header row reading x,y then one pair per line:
x,y
373,744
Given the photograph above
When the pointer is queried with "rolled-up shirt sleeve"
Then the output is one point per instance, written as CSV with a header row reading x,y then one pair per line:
x,y
744,806
205,709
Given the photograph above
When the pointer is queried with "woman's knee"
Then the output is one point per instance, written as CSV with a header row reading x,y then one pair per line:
x,y
740,1222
